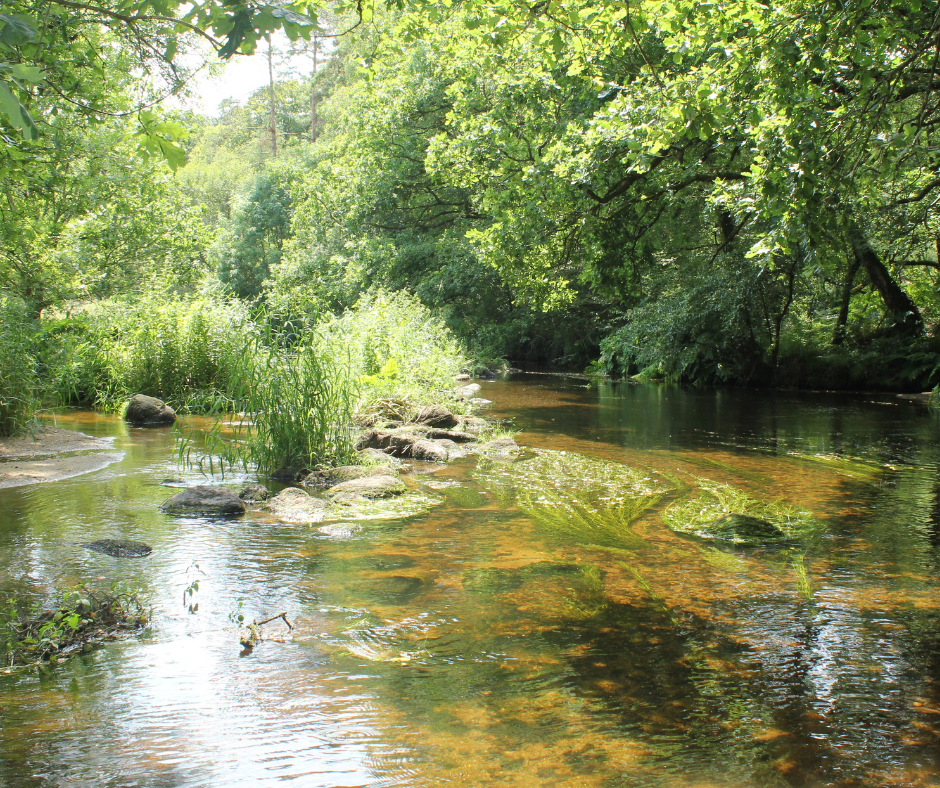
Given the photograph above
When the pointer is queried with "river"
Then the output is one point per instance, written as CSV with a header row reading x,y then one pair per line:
x,y
471,646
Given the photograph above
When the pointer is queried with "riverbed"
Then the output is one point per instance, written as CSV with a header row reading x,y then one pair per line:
x,y
472,646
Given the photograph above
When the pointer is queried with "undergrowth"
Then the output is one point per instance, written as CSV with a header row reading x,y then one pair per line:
x,y
18,381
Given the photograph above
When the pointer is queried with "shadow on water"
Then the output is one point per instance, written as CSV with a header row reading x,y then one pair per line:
x,y
543,625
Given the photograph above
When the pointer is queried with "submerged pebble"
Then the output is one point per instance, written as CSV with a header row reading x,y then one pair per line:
x,y
119,548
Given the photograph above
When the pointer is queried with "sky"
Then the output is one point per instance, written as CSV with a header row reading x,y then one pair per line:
x,y
238,78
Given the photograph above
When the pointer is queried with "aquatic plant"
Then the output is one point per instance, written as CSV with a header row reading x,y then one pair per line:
x,y
698,515
18,383
79,619
299,405
577,498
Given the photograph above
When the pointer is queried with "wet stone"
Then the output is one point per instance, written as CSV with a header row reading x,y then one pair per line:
x,y
205,499
255,492
328,477
144,411
369,487
452,435
501,448
119,548
293,505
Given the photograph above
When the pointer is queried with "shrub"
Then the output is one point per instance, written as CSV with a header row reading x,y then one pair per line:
x,y
18,382
395,348
181,350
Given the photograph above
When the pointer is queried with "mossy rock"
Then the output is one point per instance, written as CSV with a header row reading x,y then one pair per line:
x,y
119,548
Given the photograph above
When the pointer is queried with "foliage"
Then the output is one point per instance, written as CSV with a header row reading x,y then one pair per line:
x,y
182,350
251,243
394,348
18,381
81,618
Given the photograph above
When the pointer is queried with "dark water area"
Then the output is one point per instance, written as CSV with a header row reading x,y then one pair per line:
x,y
472,645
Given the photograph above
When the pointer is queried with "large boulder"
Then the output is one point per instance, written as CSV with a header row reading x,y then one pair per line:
x,y
370,487
120,548
205,499
429,451
465,392
328,477
436,416
293,505
143,411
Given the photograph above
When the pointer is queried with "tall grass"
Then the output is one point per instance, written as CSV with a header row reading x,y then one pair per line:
x,y
296,409
18,383
182,350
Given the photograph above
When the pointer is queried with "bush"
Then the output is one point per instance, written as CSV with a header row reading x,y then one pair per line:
x,y
297,406
183,351
395,348
18,382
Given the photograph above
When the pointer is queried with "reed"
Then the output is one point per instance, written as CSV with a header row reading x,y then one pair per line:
x,y
297,409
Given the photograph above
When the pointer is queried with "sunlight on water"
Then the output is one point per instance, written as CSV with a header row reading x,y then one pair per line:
x,y
542,624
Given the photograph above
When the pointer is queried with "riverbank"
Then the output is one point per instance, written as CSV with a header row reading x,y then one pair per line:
x,y
51,454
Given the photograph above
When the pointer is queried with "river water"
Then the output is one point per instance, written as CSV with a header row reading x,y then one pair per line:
x,y
470,646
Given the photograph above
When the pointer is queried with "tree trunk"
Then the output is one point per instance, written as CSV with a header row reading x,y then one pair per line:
x,y
839,334
273,122
904,312
313,94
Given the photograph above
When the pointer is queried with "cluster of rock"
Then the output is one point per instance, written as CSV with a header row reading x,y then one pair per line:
x,y
434,435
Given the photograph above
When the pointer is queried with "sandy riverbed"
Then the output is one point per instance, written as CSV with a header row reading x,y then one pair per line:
x,y
51,454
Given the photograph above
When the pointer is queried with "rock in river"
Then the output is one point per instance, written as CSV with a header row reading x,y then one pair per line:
x,y
436,416
255,492
370,487
120,548
148,411
429,451
743,528
328,477
293,505
205,499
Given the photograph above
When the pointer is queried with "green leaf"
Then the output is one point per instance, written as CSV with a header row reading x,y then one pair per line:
x,y
241,25
16,113
15,32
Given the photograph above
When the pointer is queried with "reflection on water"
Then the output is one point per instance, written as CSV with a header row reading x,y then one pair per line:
x,y
489,641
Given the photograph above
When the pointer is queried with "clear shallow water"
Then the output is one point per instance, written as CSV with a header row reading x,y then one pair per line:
x,y
468,646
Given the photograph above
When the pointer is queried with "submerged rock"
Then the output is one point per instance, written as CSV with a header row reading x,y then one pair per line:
x,y
370,487
255,492
119,548
742,528
293,505
205,499
142,410
501,448
429,451
436,416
